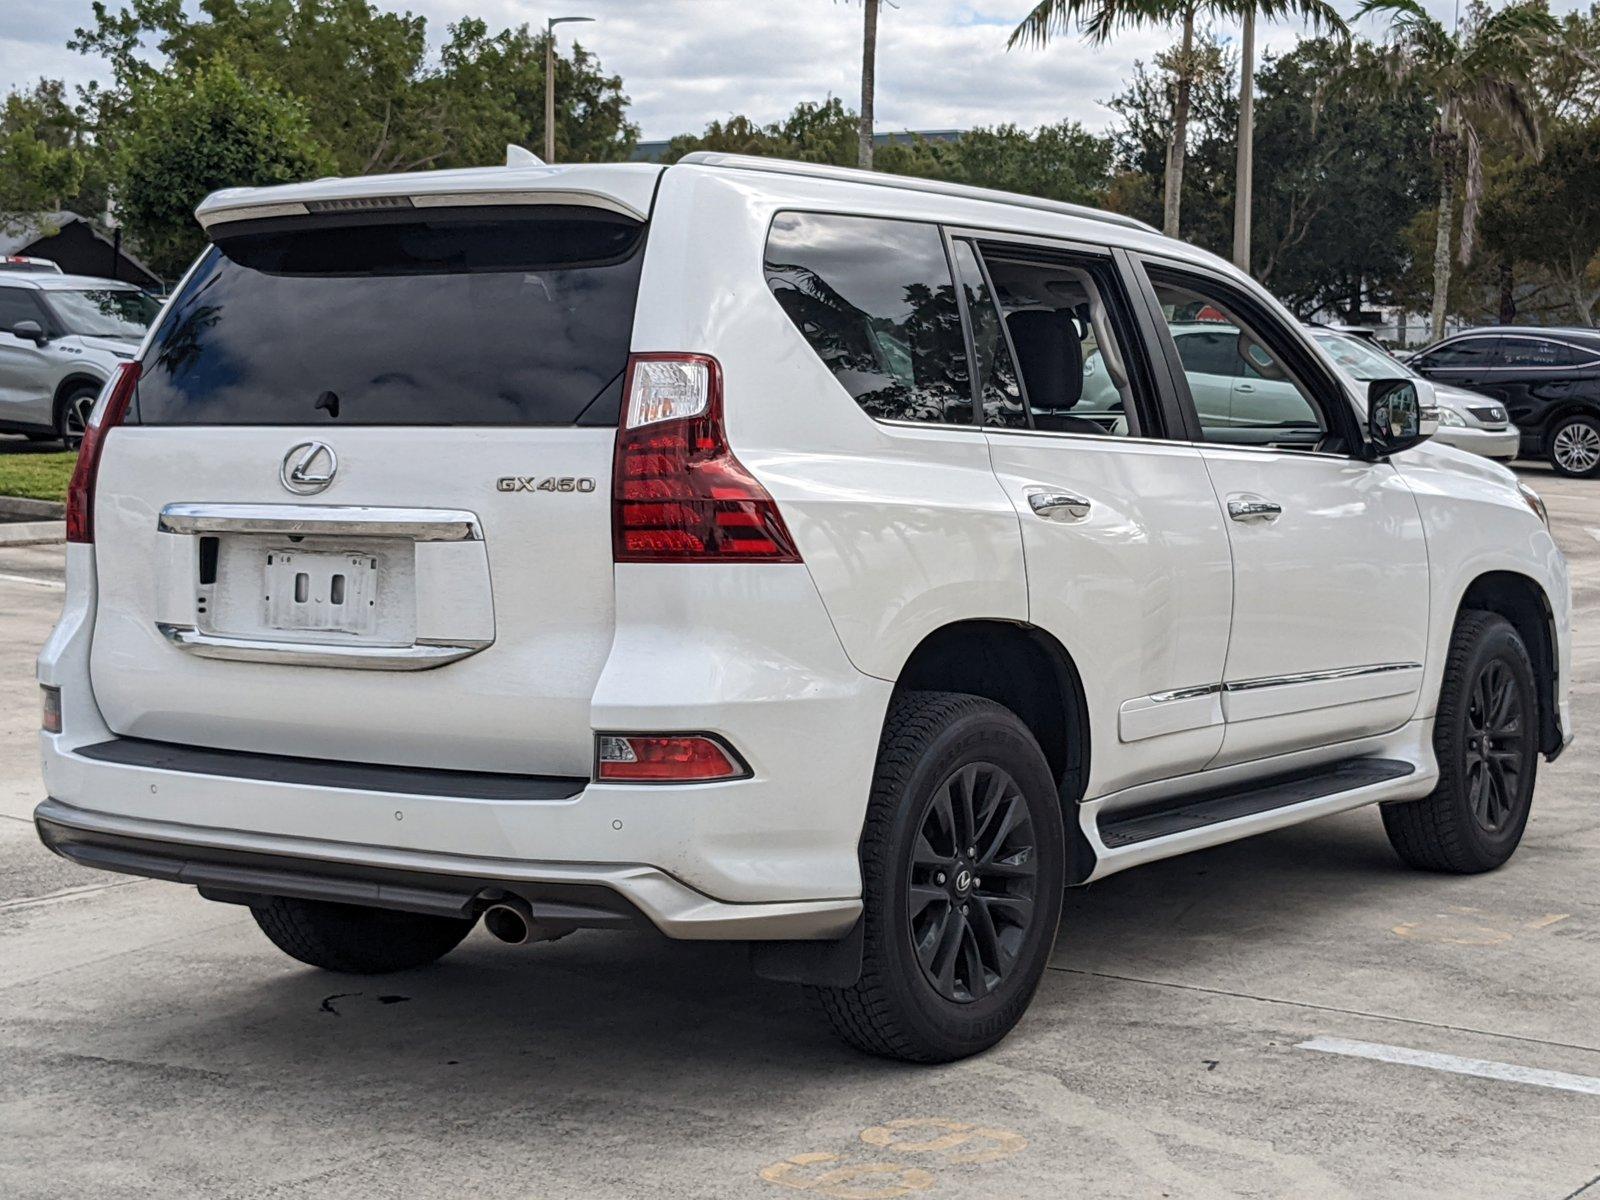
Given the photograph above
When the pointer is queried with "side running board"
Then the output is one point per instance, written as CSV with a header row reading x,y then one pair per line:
x,y
1182,814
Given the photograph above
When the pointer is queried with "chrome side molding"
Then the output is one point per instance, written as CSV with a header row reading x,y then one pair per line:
x,y
421,655
323,520
1267,681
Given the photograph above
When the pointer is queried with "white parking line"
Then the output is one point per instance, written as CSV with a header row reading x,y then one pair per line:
x,y
1482,1068
45,583
1592,532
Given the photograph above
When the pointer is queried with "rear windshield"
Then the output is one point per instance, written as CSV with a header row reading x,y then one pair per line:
x,y
457,318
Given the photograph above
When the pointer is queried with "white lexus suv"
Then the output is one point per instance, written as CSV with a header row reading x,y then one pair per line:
x,y
714,548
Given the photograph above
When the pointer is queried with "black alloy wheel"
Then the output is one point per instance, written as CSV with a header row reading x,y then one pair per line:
x,y
970,888
1496,749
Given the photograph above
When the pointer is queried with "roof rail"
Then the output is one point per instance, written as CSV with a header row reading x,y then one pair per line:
x,y
908,183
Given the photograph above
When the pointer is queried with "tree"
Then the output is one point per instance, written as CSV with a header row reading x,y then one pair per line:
x,y
1348,173
193,134
363,78
869,81
1547,214
1056,162
1477,76
1320,15
1143,141
1099,21
819,133
43,160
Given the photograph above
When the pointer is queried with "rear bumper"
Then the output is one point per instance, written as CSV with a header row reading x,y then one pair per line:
x,y
235,865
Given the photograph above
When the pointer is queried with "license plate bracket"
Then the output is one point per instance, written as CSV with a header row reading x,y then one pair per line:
x,y
334,592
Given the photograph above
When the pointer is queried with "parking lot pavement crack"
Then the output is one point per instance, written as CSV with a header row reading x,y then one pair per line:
x,y
1588,1187
1332,1008
65,894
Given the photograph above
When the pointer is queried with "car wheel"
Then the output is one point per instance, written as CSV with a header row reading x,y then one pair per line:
x,y
72,415
355,940
1486,739
963,866
1575,447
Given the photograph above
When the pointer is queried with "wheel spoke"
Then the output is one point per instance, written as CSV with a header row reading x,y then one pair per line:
x,y
1018,910
949,945
923,895
923,854
977,978
1014,815
983,932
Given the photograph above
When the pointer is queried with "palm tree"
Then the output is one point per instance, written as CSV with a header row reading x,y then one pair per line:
x,y
1321,16
869,81
1099,21
1478,76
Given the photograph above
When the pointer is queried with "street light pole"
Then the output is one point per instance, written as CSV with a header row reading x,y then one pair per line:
x,y
550,83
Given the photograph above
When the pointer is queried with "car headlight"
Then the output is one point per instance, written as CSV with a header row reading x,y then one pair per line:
x,y
1531,499
1448,416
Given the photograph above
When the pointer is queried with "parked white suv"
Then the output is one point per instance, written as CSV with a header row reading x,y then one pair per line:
x,y
714,548
61,338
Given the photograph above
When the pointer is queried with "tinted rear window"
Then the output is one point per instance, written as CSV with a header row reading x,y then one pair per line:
x,y
452,319
875,300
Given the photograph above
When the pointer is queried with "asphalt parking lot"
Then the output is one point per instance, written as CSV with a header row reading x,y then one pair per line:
x,y
154,1044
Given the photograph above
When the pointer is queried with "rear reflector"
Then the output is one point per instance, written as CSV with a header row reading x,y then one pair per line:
x,y
106,417
50,703
668,758
678,493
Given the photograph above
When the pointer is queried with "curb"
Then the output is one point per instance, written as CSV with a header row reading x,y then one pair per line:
x,y
32,533
38,510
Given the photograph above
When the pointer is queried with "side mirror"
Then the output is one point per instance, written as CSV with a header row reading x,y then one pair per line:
x,y
30,330
1401,413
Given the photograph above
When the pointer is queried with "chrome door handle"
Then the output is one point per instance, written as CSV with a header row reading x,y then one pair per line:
x,y
1244,387
1249,509
1059,506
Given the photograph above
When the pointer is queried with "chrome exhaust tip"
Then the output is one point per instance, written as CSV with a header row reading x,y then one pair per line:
x,y
511,921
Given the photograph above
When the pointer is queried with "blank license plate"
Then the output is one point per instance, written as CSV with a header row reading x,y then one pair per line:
x,y
310,591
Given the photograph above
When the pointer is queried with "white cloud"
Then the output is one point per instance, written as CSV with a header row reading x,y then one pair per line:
x,y
941,63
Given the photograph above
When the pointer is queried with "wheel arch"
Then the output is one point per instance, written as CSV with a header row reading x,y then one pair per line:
x,y
1031,673
67,386
1522,601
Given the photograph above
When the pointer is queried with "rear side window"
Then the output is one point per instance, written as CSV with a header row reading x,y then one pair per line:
x,y
1535,352
470,317
1210,353
17,305
875,301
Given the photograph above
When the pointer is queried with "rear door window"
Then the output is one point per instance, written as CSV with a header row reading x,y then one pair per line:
x,y
1535,352
875,301
468,317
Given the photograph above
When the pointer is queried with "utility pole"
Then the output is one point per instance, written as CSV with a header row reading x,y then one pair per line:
x,y
1245,175
550,83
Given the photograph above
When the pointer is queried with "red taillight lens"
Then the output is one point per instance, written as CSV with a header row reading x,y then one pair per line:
x,y
678,493
80,492
670,758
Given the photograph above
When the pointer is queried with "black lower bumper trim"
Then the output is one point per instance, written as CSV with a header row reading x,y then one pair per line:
x,y
322,772
238,876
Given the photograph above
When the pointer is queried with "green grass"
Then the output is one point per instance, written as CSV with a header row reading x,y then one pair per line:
x,y
37,476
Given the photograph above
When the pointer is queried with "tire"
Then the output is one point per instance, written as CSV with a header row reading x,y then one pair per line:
x,y
72,414
1474,819
354,940
1575,446
915,1001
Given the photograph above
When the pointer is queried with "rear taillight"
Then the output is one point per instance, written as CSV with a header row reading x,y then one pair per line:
x,y
664,758
50,709
677,492
80,492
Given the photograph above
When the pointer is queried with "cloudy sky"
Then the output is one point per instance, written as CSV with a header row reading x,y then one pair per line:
x,y
941,63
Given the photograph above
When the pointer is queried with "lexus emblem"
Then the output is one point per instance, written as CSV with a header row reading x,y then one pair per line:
x,y
308,468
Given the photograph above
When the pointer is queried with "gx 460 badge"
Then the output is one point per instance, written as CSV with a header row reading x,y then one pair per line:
x,y
550,483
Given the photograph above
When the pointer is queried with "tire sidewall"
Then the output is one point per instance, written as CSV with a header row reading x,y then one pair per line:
x,y
982,736
1499,642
